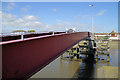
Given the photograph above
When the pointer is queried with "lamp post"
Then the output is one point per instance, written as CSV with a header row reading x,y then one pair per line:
x,y
91,5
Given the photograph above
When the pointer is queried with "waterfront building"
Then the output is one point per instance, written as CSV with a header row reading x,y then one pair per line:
x,y
110,36
114,36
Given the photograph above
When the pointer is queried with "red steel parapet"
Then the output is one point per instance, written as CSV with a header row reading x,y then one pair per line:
x,y
23,58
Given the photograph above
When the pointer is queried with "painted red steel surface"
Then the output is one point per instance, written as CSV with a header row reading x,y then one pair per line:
x,y
22,59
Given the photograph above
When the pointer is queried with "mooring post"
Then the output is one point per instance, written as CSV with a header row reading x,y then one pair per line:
x,y
108,55
61,56
69,55
96,56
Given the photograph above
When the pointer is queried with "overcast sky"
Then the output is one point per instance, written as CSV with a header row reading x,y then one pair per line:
x,y
59,16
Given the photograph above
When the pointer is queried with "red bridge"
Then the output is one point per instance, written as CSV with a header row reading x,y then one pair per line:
x,y
23,58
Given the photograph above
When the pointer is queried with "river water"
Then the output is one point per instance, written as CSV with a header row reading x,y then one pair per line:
x,y
60,68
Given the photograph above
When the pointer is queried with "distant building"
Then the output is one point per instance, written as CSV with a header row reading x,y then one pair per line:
x,y
70,31
110,36
101,34
114,36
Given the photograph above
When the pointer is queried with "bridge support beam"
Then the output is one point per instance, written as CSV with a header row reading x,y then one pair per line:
x,y
23,58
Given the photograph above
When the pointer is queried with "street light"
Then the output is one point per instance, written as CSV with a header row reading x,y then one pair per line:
x,y
91,5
